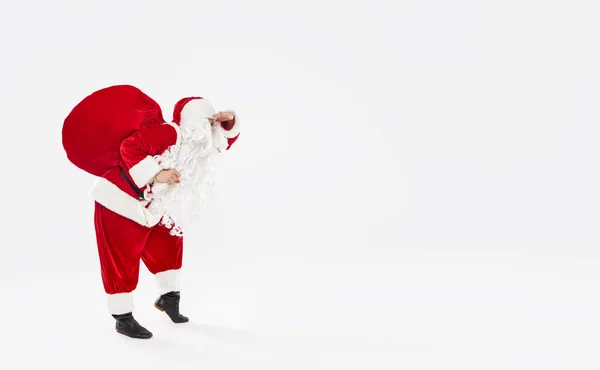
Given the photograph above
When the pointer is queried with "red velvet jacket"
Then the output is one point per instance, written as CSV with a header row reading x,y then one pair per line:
x,y
137,151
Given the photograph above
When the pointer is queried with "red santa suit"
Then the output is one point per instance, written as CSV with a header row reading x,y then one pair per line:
x,y
135,217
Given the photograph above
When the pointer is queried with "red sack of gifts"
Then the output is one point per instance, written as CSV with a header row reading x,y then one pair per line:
x,y
94,130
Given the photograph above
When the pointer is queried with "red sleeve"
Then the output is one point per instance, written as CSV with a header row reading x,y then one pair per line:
x,y
231,140
232,130
138,150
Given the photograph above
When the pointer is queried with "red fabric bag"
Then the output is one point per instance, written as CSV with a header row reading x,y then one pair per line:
x,y
94,130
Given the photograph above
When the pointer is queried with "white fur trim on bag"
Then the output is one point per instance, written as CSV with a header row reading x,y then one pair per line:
x,y
168,281
144,171
118,201
119,303
235,130
196,109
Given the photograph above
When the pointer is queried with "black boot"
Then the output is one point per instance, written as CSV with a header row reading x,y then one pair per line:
x,y
128,326
169,303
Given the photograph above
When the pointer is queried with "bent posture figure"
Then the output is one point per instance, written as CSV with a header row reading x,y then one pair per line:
x,y
152,181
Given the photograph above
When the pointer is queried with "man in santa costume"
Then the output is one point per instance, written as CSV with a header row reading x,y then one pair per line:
x,y
153,178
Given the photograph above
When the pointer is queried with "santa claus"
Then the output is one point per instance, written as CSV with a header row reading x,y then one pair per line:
x,y
153,178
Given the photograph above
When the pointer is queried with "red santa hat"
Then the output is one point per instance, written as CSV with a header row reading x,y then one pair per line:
x,y
195,107
192,108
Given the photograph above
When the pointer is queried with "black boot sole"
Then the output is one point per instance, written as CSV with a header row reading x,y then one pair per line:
x,y
176,322
133,337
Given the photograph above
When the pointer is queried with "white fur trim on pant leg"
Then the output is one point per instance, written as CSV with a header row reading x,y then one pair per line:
x,y
144,171
168,281
120,303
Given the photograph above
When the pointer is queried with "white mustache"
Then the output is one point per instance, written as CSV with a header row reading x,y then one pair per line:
x,y
200,132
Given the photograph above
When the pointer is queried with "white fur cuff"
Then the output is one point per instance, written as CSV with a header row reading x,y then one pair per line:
x,y
168,281
120,303
235,130
143,172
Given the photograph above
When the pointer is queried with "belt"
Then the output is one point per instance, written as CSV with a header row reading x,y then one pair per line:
x,y
137,190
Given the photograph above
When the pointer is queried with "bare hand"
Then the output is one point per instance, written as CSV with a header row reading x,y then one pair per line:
x,y
168,177
222,116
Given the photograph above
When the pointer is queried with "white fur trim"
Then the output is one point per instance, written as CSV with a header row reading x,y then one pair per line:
x,y
168,281
144,171
197,109
120,303
235,130
118,201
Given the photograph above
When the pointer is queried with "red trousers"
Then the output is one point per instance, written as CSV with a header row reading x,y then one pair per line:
x,y
122,243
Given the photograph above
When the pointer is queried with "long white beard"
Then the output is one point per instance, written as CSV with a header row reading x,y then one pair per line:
x,y
194,158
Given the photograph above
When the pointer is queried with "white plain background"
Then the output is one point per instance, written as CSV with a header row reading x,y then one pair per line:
x,y
416,185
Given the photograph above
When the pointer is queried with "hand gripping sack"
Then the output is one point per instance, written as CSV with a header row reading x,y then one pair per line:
x,y
94,130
